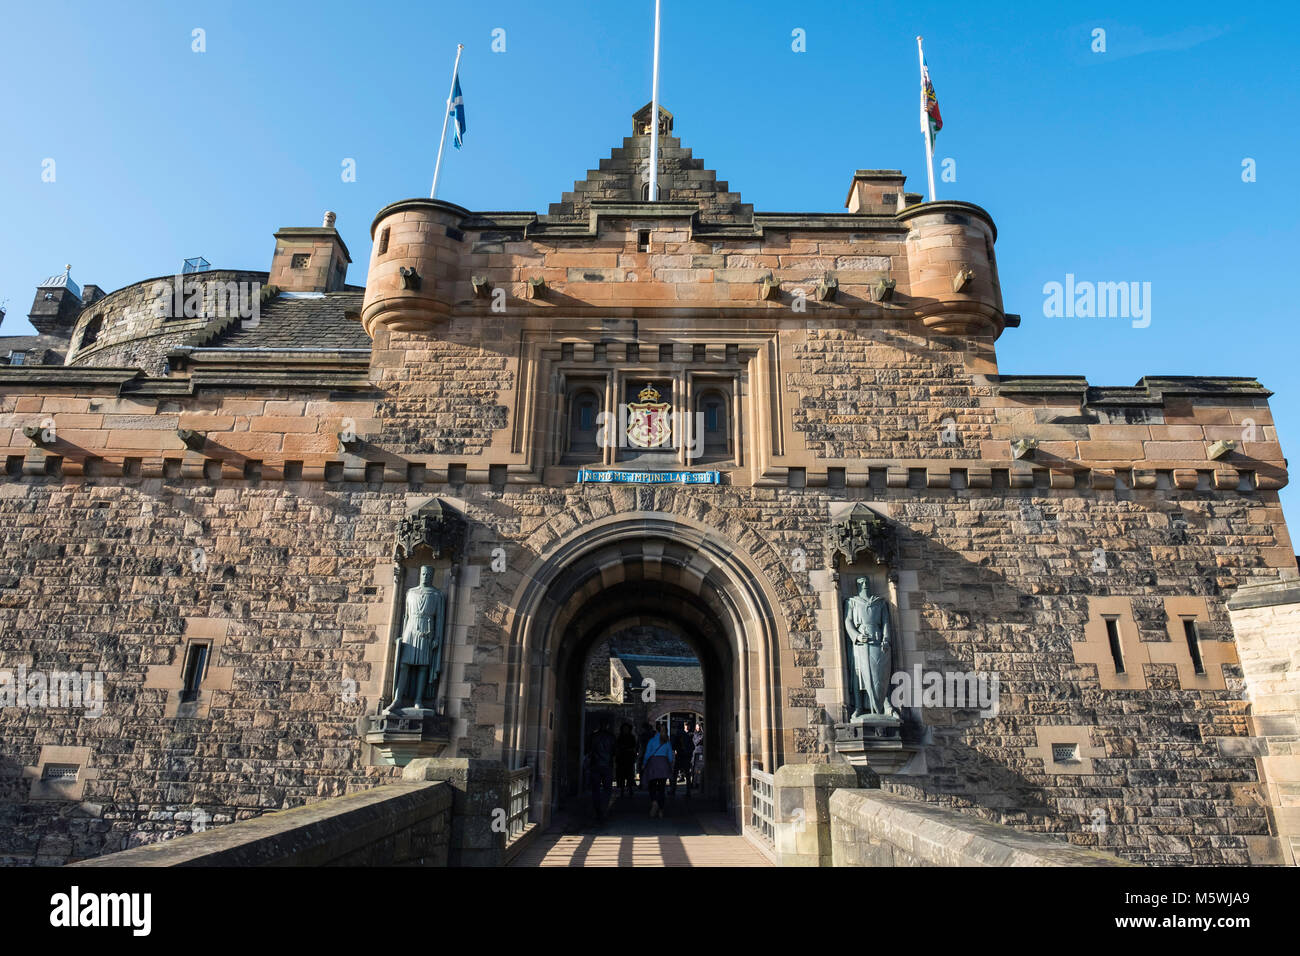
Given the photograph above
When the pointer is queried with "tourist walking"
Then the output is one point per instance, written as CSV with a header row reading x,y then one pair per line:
x,y
697,754
657,767
600,752
683,750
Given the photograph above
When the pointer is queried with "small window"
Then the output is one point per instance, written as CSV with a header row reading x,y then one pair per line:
x,y
666,353
582,431
645,191
1065,753
17,358
383,241
643,240
61,772
633,352
300,260
196,665
1116,650
1193,644
90,333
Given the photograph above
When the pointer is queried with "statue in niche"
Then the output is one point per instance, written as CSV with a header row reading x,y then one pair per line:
x,y
866,619
419,649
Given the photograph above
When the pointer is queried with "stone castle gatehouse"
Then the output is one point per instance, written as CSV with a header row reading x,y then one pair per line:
x,y
684,415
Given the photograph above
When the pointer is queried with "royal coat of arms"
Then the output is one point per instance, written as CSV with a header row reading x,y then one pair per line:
x,y
649,421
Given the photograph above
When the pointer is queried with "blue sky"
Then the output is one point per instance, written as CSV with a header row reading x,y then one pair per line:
x,y
1123,165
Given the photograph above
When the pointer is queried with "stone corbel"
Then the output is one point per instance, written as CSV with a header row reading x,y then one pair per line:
x,y
963,278
768,287
827,288
482,287
884,290
536,287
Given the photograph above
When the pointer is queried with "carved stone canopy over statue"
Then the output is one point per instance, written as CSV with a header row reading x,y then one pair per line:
x,y
867,627
436,526
864,531
418,658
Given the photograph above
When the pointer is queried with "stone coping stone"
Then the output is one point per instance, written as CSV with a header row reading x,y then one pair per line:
x,y
937,836
311,835
1265,594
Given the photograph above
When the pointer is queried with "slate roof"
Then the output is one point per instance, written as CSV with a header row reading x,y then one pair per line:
x,y
679,674
61,281
291,322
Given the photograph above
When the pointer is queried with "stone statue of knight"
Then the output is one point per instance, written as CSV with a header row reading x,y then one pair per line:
x,y
866,619
419,649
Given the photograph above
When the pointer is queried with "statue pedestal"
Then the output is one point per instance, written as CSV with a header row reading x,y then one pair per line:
x,y
406,734
874,741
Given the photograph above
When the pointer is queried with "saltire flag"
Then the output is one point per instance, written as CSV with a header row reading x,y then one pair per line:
x,y
457,110
931,121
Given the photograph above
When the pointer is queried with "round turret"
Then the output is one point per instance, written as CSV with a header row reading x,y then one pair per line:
x,y
952,272
414,264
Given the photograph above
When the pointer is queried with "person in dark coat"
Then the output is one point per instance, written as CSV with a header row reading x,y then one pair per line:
x,y
626,749
600,753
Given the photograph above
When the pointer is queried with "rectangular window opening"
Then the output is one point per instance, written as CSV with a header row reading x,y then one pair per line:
x,y
643,240
196,665
383,241
1193,644
1116,650
665,353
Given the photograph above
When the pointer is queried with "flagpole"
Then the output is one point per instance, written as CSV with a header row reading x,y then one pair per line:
x,y
654,117
925,122
433,193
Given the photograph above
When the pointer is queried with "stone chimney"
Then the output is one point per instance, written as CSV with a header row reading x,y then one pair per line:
x,y
57,305
310,259
876,192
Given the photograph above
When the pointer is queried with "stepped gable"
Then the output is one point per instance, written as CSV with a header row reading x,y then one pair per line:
x,y
624,177
294,322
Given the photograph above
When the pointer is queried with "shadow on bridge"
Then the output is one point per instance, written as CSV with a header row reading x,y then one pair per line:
x,y
691,833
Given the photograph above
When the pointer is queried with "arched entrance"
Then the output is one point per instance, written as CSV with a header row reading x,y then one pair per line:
x,y
644,566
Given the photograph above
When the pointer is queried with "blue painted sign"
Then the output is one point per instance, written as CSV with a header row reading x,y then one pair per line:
x,y
588,476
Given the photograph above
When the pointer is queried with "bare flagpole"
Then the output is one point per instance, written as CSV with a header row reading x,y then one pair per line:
x,y
925,122
654,117
433,193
